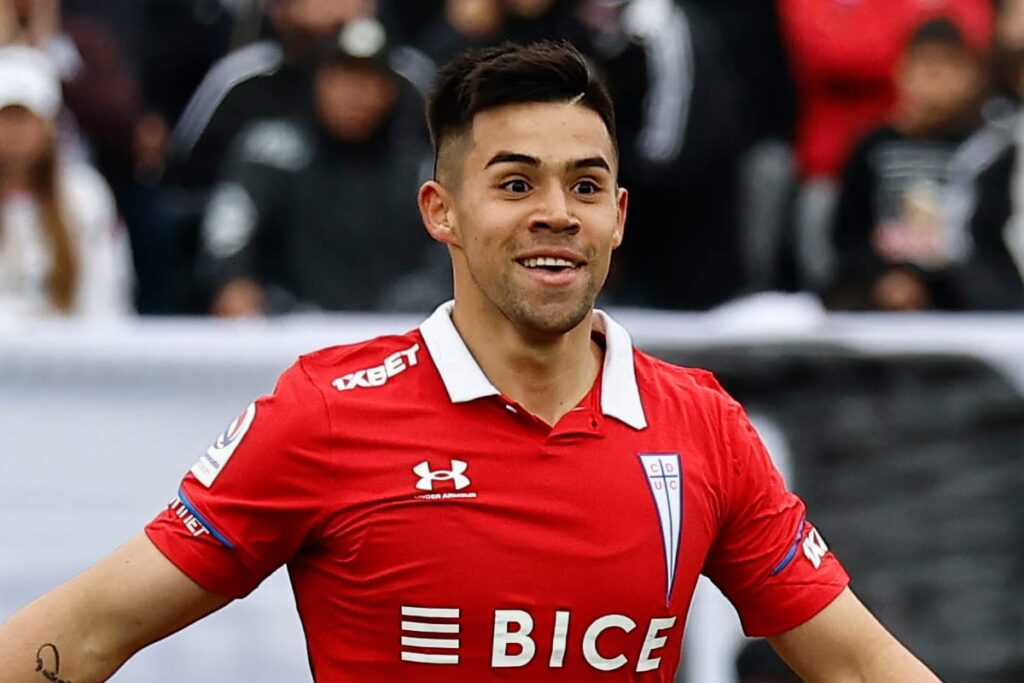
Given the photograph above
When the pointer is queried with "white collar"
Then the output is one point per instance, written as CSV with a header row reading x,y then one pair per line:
x,y
465,381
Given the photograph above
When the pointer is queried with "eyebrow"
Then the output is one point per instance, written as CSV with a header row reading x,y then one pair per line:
x,y
527,160
512,158
589,162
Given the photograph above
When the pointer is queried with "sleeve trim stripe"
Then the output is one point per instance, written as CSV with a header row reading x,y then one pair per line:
x,y
792,549
202,520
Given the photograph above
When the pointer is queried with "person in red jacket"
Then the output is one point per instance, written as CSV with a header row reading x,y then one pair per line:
x,y
844,55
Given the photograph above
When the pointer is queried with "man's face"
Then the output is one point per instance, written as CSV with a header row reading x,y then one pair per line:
x,y
353,100
536,214
937,83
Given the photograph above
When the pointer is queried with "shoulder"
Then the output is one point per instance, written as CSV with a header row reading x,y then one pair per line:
x,y
692,400
316,382
257,59
876,138
693,386
369,364
281,144
990,146
86,197
241,65
81,181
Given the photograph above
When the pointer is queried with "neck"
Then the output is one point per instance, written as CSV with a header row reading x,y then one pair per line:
x,y
546,374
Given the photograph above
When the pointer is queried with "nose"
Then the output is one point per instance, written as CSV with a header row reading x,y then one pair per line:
x,y
554,212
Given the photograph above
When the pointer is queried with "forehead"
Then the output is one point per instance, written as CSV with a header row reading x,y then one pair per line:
x,y
938,51
554,133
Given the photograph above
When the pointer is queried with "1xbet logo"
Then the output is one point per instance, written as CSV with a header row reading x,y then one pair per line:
x,y
378,376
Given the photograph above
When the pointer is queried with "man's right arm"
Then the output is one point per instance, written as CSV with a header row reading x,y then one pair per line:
x,y
85,629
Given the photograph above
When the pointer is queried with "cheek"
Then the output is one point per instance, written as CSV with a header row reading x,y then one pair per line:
x,y
332,99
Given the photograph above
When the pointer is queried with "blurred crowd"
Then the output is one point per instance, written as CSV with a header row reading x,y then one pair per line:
x,y
252,157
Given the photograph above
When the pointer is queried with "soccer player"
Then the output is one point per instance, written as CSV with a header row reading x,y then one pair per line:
x,y
510,491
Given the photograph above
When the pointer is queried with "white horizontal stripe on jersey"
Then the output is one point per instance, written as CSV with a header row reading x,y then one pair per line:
x,y
422,658
440,643
431,612
425,627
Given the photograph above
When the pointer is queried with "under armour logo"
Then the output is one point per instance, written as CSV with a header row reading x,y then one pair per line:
x,y
428,477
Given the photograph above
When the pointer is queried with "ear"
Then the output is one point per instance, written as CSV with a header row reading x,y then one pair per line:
x,y
436,209
622,206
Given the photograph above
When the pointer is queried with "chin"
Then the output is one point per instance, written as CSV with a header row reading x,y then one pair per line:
x,y
552,319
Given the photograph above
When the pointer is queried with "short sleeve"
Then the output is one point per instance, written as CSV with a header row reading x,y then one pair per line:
x,y
257,495
768,559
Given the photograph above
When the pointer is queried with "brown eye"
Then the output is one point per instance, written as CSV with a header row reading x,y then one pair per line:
x,y
586,187
516,186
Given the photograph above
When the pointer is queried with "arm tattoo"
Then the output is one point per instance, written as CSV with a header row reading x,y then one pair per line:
x,y
46,653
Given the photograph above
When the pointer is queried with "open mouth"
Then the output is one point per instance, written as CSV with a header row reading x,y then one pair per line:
x,y
551,264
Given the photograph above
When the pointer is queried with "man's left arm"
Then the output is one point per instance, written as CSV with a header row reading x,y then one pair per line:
x,y
844,643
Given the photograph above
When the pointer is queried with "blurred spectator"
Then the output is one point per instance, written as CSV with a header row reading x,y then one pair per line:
x,y
266,79
61,248
843,55
1007,53
678,128
893,248
269,79
464,24
766,107
987,188
126,140
758,663
106,117
99,88
751,39
318,210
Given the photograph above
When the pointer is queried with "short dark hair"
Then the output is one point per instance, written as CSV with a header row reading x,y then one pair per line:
x,y
485,78
937,31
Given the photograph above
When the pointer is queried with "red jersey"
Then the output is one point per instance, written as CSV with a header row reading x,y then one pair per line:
x,y
435,530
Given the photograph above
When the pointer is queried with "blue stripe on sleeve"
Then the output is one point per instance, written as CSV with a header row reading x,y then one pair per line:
x,y
792,550
202,520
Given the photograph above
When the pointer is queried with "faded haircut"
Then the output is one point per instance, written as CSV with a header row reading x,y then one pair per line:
x,y
486,78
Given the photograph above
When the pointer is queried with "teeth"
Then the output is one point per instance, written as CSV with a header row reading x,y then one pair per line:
x,y
548,262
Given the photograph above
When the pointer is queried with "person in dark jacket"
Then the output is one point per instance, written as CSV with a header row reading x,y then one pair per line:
x,y
894,247
316,211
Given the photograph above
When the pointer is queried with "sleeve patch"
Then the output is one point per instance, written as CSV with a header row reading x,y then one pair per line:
x,y
814,547
212,462
195,522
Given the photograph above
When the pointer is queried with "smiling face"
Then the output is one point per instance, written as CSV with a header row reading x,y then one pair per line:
x,y
531,214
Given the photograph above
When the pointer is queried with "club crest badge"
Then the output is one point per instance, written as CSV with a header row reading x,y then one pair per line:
x,y
665,477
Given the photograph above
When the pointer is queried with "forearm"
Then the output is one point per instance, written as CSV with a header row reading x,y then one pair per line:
x,y
890,662
84,630
844,643
55,639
